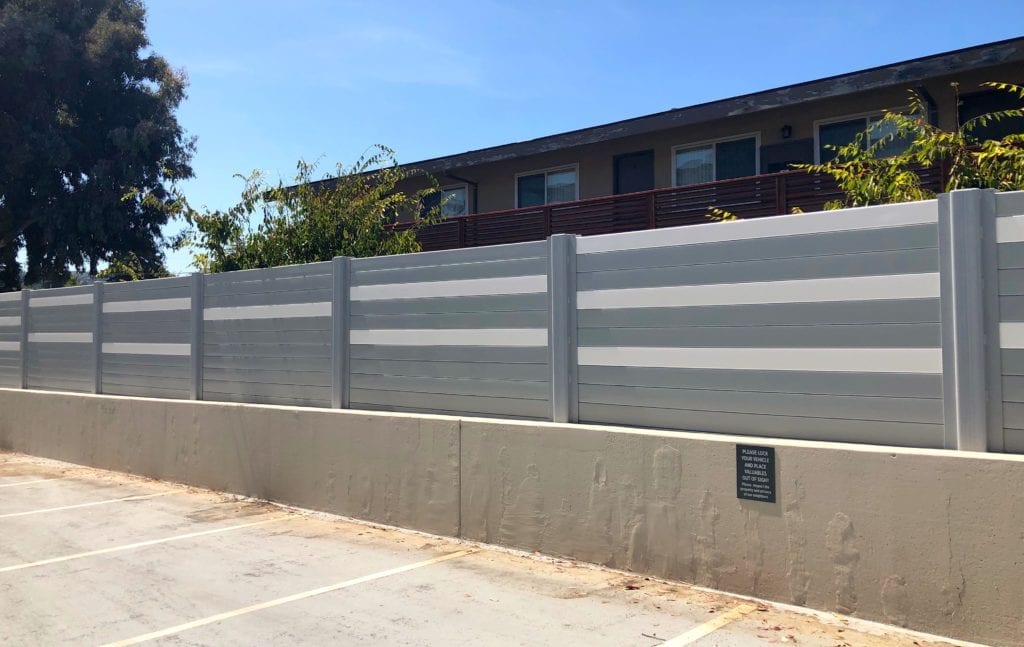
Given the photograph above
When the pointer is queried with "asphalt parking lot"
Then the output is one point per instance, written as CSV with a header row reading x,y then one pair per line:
x,y
89,557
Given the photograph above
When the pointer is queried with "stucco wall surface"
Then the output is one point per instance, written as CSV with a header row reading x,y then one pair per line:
x,y
399,470
928,539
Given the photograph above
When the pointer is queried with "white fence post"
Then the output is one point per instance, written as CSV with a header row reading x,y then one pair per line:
x,y
97,336
196,329
966,248
340,335
562,327
25,296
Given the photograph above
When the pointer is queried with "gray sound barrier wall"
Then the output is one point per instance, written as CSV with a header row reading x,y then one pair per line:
x,y
60,353
462,331
267,335
10,339
1010,266
147,338
823,326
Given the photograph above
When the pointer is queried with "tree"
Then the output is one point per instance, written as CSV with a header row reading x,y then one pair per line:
x,y
90,148
353,213
868,176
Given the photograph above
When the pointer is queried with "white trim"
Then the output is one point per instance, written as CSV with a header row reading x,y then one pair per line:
x,y
10,296
530,284
714,152
840,289
69,300
451,337
148,305
1011,334
124,348
277,311
10,346
1010,229
840,360
876,217
451,187
60,337
575,166
10,322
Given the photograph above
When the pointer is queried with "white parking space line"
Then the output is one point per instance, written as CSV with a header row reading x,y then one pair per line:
x,y
285,600
140,544
716,623
27,482
84,505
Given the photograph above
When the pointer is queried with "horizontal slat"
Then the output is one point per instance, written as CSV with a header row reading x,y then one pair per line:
x,y
249,398
525,319
277,311
763,249
259,390
900,434
856,288
522,355
452,337
449,386
851,360
320,337
148,305
285,296
914,261
822,383
778,314
442,305
145,381
320,362
457,288
122,348
490,370
265,376
453,271
445,257
926,410
466,404
828,336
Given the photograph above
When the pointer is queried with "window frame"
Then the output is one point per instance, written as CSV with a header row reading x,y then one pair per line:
x,y
463,185
756,135
866,116
575,167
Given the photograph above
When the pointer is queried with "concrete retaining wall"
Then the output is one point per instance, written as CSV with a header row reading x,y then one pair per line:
x,y
928,539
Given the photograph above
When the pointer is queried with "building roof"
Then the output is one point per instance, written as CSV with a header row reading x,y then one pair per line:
x,y
903,73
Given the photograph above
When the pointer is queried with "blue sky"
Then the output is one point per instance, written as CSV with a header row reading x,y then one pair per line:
x,y
272,81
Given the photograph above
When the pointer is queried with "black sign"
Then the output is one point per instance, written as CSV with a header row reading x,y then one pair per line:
x,y
755,473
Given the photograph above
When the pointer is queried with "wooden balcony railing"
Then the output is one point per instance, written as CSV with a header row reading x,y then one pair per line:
x,y
749,197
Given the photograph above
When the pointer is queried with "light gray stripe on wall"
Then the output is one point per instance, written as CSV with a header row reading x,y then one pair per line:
x,y
10,296
10,346
60,337
147,349
452,271
147,305
452,337
504,303
519,319
458,288
854,360
278,311
10,322
859,288
57,301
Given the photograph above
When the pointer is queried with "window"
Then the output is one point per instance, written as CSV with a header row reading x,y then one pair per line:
x,y
981,103
455,201
547,187
711,161
842,132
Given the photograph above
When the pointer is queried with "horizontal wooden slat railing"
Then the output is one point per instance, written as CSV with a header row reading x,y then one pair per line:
x,y
750,197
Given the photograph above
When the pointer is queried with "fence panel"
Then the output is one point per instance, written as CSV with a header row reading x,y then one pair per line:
x,y
461,331
146,340
10,339
267,335
821,326
60,351
1010,240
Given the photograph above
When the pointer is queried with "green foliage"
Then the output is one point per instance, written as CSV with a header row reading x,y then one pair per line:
x,y
351,213
90,148
868,176
131,267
